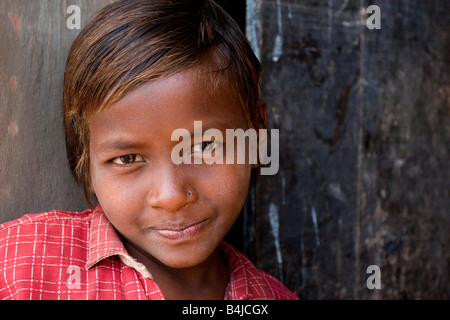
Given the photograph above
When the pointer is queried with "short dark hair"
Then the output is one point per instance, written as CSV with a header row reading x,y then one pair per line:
x,y
132,42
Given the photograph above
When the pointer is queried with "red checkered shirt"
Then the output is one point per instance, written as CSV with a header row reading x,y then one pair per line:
x,y
70,255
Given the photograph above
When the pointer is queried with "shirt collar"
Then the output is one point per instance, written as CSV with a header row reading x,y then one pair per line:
x,y
104,242
238,286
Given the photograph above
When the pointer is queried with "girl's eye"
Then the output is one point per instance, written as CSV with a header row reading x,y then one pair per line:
x,y
128,159
204,146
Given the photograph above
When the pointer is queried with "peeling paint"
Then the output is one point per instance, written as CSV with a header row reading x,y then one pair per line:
x,y
15,20
278,46
253,28
335,190
13,128
316,228
353,23
274,223
341,8
13,83
330,21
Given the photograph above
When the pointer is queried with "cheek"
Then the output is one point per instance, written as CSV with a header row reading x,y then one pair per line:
x,y
118,197
230,187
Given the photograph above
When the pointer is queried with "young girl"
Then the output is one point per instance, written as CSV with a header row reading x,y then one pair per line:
x,y
139,71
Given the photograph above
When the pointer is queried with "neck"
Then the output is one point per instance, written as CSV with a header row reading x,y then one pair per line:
x,y
205,281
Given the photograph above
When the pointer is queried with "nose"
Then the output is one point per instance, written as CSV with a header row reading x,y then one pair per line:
x,y
171,191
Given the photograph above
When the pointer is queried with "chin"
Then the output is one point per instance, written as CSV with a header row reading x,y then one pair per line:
x,y
185,256
177,261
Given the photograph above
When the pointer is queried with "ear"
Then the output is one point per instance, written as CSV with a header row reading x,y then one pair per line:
x,y
263,124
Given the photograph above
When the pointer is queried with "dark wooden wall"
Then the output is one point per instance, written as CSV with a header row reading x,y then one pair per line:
x,y
364,119
364,135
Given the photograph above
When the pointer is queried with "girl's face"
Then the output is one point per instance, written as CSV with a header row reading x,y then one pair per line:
x,y
176,214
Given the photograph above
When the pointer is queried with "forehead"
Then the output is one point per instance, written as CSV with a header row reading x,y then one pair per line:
x,y
157,108
211,68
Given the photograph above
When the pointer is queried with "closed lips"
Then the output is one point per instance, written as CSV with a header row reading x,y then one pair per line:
x,y
180,232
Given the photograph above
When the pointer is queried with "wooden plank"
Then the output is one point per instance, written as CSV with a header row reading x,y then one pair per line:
x,y
34,42
364,149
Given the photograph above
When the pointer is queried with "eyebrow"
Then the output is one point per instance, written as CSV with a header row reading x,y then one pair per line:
x,y
119,144
221,125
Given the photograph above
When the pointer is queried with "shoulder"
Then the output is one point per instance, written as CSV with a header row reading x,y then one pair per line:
x,y
45,223
53,228
249,282
46,231
54,215
37,248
